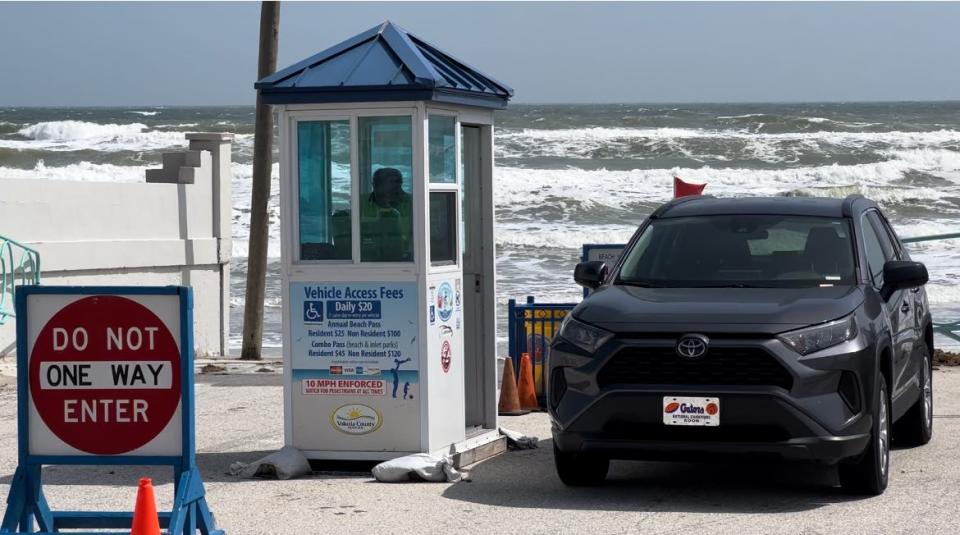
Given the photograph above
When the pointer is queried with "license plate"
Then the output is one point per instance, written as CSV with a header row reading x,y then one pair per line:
x,y
691,411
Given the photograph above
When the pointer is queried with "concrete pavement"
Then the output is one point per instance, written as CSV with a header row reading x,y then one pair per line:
x,y
239,417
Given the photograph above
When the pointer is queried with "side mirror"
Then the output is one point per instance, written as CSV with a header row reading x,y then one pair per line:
x,y
902,274
590,274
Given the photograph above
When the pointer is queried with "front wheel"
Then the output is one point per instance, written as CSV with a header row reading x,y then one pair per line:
x,y
870,473
578,470
915,427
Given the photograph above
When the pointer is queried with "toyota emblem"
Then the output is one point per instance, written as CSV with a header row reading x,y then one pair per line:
x,y
692,346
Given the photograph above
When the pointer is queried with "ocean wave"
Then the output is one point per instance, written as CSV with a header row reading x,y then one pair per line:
x,y
743,116
534,188
72,130
145,113
847,124
82,135
562,209
593,142
83,172
559,235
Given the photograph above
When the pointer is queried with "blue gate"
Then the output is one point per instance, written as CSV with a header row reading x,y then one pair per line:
x,y
531,327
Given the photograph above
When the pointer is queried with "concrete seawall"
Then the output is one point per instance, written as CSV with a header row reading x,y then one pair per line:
x,y
173,229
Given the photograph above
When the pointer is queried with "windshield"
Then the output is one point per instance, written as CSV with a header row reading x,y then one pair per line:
x,y
741,251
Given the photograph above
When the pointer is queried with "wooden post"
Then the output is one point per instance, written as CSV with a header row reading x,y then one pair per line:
x,y
262,164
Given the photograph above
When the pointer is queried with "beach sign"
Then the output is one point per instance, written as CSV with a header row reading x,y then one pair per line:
x,y
108,381
608,253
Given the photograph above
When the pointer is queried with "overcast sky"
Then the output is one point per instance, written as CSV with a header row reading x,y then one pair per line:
x,y
56,54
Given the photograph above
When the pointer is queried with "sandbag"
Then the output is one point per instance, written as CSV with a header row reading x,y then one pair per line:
x,y
519,441
416,467
287,463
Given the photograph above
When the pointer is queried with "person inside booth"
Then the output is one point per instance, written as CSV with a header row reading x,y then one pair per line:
x,y
386,218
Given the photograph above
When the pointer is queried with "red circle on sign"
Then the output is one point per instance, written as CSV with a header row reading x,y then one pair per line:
x,y
445,356
77,397
712,409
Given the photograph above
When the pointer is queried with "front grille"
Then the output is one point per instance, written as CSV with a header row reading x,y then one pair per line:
x,y
738,366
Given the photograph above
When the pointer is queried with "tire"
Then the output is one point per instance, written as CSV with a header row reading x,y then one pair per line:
x,y
915,427
580,470
870,473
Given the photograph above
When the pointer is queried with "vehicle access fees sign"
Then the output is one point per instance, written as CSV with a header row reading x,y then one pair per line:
x,y
104,374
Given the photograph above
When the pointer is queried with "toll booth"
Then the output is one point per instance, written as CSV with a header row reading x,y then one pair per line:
x,y
386,204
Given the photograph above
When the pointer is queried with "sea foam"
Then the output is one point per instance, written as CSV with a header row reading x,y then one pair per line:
x,y
586,142
82,135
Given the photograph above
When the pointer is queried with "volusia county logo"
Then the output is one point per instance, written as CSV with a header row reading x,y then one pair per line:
x,y
355,419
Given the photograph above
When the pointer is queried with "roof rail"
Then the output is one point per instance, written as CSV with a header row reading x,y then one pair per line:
x,y
847,207
675,202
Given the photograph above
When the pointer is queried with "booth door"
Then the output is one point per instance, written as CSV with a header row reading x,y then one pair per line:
x,y
473,224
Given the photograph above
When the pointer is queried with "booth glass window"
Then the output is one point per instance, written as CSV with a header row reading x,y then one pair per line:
x,y
323,160
386,187
442,147
443,227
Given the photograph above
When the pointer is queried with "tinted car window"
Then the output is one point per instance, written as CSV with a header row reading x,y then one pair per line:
x,y
747,250
876,256
888,237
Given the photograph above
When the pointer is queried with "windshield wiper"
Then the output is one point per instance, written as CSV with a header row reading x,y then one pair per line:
x,y
639,284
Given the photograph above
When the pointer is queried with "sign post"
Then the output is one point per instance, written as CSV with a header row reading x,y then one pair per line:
x,y
106,378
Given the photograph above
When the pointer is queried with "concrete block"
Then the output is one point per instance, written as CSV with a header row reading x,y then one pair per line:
x,y
191,158
187,175
173,160
161,176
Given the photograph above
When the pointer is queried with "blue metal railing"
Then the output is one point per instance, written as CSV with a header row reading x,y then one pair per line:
x,y
19,265
531,327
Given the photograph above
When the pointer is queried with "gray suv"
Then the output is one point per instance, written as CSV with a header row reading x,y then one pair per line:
x,y
795,328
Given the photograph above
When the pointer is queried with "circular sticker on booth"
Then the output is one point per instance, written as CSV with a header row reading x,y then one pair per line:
x,y
445,356
356,419
445,299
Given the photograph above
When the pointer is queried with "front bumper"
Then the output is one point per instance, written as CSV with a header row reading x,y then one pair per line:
x,y
808,420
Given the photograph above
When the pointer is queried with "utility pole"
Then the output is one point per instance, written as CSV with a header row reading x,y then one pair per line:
x,y
262,164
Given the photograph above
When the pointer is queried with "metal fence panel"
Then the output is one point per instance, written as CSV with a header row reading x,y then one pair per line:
x,y
531,327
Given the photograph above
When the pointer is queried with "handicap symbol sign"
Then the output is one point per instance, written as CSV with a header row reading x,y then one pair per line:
x,y
313,311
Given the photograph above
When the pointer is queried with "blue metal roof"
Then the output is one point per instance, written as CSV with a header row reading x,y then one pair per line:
x,y
385,63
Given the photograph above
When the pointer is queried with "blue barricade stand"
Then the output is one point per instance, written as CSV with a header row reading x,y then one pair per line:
x,y
115,367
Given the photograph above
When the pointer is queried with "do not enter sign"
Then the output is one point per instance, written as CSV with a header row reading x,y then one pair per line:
x,y
104,374
105,380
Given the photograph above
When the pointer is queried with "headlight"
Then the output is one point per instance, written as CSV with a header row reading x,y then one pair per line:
x,y
586,337
817,337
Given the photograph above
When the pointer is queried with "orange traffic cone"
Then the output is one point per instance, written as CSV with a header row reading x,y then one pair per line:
x,y
509,402
145,519
527,391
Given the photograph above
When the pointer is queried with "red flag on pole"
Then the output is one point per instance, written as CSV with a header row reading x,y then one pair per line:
x,y
682,189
